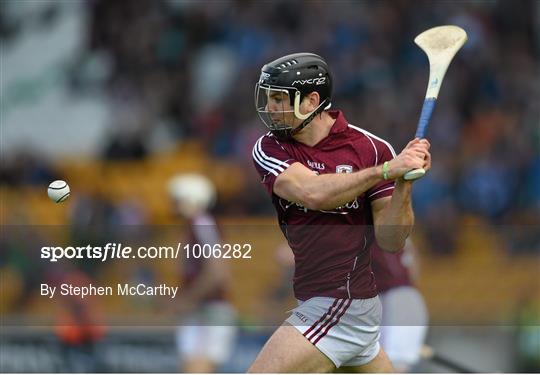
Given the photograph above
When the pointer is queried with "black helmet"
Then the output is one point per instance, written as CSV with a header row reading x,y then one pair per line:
x,y
293,77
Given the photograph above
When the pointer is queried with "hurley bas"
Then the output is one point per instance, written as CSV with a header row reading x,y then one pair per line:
x,y
121,290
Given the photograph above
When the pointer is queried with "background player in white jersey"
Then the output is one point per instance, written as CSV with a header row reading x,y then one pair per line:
x,y
207,335
337,189
405,317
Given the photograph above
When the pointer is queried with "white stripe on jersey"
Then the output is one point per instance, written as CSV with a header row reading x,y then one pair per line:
x,y
261,164
370,135
372,143
383,141
380,191
277,161
268,163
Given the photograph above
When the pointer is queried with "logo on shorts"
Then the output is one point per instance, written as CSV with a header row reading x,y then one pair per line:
x,y
301,316
344,168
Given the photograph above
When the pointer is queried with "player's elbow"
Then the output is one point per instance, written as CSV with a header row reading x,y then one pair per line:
x,y
389,241
391,246
313,200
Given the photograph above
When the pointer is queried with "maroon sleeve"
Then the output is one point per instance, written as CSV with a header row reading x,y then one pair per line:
x,y
270,160
384,152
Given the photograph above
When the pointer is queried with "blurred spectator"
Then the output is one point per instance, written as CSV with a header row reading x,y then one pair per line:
x,y
123,147
79,322
12,285
92,210
27,168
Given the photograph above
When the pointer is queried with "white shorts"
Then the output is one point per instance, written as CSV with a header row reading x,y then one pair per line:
x,y
404,325
345,330
210,332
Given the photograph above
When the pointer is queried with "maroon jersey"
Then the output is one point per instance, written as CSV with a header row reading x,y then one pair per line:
x,y
202,230
390,269
331,247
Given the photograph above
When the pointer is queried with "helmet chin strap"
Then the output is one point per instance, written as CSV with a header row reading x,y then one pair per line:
x,y
288,133
308,116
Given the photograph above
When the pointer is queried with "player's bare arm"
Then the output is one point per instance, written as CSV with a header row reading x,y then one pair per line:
x,y
393,216
301,185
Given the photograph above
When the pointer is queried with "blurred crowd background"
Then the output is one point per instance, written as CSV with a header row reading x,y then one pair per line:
x,y
116,96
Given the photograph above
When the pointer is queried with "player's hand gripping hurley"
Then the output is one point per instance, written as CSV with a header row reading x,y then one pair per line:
x,y
440,45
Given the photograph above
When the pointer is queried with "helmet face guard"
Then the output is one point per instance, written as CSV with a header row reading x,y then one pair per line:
x,y
280,111
283,84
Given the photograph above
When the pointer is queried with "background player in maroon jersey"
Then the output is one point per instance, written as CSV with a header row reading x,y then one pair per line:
x,y
206,338
337,189
405,318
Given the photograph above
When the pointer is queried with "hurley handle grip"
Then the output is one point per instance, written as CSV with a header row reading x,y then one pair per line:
x,y
421,129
